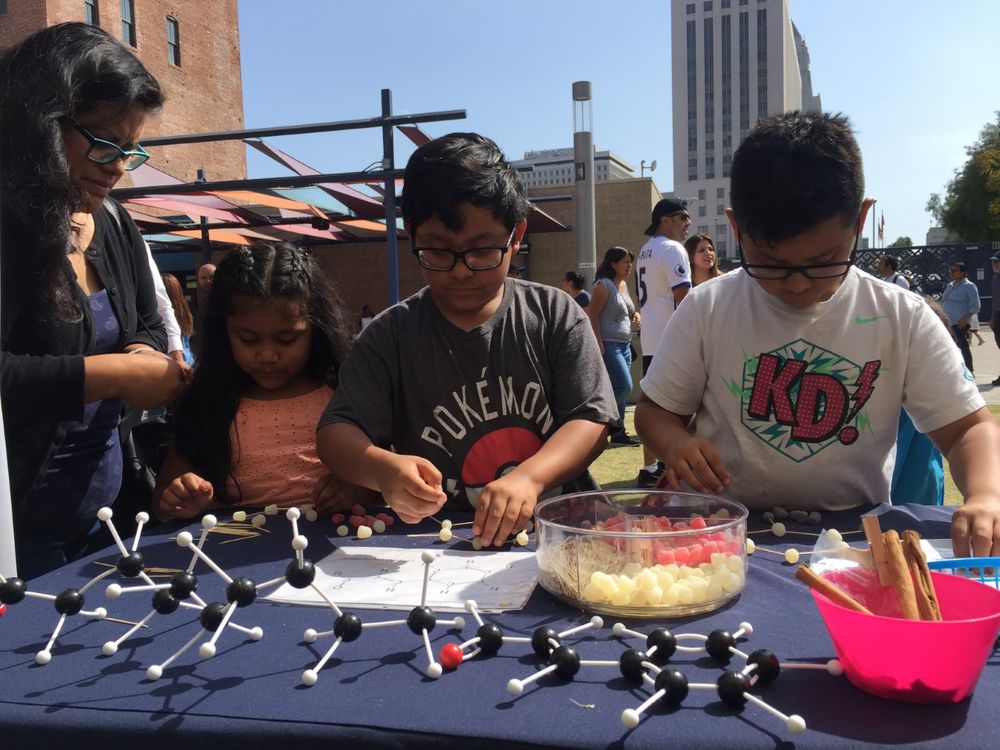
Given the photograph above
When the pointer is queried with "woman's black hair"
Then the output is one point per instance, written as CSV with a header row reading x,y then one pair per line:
x,y
277,272
612,255
61,72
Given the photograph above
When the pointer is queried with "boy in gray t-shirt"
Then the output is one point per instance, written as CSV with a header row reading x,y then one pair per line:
x,y
479,389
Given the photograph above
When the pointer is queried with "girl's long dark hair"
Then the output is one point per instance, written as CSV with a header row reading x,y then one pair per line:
x,y
279,272
64,71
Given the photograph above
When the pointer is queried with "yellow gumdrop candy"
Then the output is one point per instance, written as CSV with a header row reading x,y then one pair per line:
x,y
620,598
638,598
669,597
713,590
654,596
665,579
593,593
684,593
240,516
646,579
791,556
632,569
364,532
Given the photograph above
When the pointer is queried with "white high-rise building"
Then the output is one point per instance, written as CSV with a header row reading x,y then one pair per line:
x,y
733,62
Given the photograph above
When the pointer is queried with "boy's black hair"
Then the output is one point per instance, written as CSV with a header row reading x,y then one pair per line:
x,y
959,265
461,168
62,72
612,255
280,272
794,171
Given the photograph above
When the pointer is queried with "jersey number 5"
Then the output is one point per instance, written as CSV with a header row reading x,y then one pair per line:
x,y
642,288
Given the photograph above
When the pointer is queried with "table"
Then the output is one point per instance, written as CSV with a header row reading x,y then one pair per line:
x,y
373,693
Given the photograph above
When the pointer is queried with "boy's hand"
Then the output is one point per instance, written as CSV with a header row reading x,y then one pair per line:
x,y
185,497
976,527
695,462
505,505
411,486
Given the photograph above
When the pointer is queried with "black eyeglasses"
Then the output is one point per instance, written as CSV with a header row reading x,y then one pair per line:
x,y
683,214
475,258
105,152
779,273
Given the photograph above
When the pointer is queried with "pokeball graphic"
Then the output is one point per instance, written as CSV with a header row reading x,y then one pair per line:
x,y
495,455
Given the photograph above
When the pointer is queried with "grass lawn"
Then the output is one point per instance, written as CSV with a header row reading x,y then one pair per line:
x,y
618,467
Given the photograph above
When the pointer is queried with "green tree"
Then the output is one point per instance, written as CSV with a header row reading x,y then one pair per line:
x,y
902,241
970,207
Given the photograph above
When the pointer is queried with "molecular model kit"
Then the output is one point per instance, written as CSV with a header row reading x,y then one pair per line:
x,y
650,667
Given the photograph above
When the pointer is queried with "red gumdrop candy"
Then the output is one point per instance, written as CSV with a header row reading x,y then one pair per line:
x,y
358,510
389,520
355,521
697,522
337,518
681,526
3,609
450,656
682,555
369,520
665,556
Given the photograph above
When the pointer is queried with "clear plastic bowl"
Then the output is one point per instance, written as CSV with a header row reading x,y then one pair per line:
x,y
637,553
913,660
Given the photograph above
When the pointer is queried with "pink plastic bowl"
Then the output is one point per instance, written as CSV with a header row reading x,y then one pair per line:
x,y
914,661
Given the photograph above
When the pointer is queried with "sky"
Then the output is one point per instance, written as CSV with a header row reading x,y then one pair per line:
x,y
918,78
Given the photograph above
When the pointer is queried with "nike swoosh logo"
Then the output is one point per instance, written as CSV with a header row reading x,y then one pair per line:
x,y
864,321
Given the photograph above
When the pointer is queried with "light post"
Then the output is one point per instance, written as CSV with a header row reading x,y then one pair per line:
x,y
583,158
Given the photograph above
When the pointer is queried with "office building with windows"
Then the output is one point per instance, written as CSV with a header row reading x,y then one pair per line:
x,y
193,49
732,62
555,166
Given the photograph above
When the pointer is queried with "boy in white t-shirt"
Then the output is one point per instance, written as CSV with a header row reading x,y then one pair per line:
x,y
798,363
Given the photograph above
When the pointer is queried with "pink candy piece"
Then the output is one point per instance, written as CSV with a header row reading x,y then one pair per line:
x,y
355,521
359,510
337,518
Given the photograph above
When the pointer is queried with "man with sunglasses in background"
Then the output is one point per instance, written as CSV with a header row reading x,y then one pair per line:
x,y
663,279
797,364
481,390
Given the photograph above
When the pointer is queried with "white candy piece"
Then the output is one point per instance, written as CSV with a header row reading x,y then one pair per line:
x,y
477,543
378,526
271,510
259,520
522,538
445,534
446,524
778,529
427,556
751,546
342,530
364,531
240,516
311,515
791,556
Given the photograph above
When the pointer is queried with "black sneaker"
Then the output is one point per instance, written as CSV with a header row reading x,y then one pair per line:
x,y
623,438
996,382
646,480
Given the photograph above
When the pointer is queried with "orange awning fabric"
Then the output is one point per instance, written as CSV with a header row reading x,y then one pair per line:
x,y
223,236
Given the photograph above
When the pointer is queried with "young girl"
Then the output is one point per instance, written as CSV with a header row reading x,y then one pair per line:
x,y
704,261
245,432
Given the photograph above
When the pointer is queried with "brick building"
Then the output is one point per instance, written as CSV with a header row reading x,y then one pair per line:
x,y
193,49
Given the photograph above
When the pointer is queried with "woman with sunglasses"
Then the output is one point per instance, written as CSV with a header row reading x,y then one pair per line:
x,y
78,324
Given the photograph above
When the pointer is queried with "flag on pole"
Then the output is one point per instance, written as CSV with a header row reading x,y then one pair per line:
x,y
881,229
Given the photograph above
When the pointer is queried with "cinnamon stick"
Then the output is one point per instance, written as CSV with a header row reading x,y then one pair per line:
x,y
900,573
927,602
829,589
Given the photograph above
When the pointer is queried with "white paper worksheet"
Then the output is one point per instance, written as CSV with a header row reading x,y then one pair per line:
x,y
392,578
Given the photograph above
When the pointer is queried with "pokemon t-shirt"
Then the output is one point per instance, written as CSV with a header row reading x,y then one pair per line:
x,y
474,403
803,405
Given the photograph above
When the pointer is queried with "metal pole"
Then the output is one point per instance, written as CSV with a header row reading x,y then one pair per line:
x,y
583,158
874,245
206,242
389,201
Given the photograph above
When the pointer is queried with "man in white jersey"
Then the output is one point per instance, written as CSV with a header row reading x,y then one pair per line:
x,y
663,276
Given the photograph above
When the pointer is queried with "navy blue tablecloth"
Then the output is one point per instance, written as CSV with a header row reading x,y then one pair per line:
x,y
373,693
